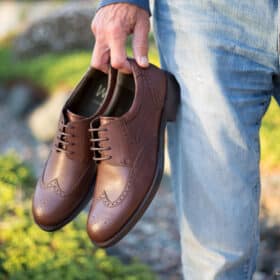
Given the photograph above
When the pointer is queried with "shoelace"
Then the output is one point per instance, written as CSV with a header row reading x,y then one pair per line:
x,y
96,147
63,139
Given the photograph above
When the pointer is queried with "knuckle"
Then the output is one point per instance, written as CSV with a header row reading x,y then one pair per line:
x,y
93,26
146,25
140,42
114,30
97,29
140,49
96,64
118,63
99,67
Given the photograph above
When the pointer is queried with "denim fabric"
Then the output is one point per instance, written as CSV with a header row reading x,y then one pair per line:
x,y
144,4
225,56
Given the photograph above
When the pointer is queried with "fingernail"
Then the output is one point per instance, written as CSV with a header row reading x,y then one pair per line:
x,y
143,60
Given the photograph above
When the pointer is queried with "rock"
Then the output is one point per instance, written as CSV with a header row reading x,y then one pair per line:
x,y
276,263
148,229
15,136
113,251
19,100
263,260
43,120
270,206
66,29
277,274
3,93
171,259
259,276
22,96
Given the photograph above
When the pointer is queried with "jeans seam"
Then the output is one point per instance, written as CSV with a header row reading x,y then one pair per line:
x,y
248,267
246,270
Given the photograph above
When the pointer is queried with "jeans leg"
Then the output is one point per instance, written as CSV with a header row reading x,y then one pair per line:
x,y
224,58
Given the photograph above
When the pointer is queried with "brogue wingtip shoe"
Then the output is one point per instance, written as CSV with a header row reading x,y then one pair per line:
x,y
67,182
128,147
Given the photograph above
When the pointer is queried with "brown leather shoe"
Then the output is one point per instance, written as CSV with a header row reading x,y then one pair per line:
x,y
66,184
129,149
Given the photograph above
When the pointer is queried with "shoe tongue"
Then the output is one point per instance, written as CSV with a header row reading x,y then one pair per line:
x,y
106,120
71,117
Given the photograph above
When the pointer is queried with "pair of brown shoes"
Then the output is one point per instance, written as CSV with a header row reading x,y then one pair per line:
x,y
110,139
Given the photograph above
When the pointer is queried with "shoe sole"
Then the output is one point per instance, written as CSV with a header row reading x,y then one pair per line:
x,y
168,114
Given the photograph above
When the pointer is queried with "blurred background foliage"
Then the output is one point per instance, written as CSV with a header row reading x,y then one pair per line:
x,y
31,66
270,139
51,70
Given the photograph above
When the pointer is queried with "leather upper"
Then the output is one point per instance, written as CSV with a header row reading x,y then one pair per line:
x,y
70,171
132,147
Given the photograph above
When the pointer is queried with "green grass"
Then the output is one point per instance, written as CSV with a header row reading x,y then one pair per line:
x,y
51,71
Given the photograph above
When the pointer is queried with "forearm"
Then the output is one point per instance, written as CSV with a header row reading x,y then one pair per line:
x,y
144,4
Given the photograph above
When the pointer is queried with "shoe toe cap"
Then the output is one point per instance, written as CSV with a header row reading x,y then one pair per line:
x,y
100,230
45,216
105,224
47,209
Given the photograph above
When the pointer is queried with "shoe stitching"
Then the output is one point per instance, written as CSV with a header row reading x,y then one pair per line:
x,y
53,185
104,197
156,98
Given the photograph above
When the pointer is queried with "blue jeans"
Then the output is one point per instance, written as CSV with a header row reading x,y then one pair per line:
x,y
225,56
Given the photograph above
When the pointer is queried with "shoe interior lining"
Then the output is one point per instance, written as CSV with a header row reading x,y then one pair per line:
x,y
123,96
90,95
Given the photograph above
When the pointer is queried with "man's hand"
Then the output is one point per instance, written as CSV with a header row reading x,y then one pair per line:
x,y
111,26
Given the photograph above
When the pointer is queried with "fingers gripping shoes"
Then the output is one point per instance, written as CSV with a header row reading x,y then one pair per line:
x,y
67,181
129,148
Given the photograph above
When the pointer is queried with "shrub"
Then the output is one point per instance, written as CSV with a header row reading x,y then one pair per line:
x,y
270,133
16,182
14,172
26,252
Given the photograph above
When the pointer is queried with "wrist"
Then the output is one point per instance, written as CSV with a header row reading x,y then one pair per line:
x,y
144,4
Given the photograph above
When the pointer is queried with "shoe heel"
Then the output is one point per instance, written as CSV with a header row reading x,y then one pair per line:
x,y
172,98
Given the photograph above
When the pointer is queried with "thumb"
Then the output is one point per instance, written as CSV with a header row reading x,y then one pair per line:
x,y
140,43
